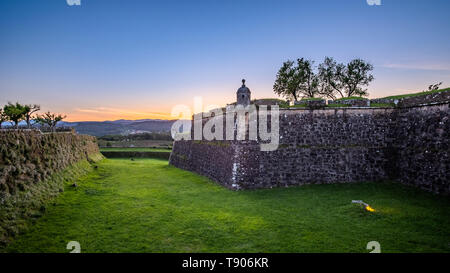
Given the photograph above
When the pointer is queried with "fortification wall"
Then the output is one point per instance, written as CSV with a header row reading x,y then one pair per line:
x,y
421,145
409,145
33,169
213,159
321,146
28,156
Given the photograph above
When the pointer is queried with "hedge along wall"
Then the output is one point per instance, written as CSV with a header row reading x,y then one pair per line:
x,y
333,146
33,168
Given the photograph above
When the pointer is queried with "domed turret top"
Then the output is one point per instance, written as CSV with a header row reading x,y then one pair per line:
x,y
243,88
243,94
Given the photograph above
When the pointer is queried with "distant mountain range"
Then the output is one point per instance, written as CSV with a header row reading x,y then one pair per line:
x,y
120,127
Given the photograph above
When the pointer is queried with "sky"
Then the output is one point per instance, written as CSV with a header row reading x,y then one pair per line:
x,y
111,59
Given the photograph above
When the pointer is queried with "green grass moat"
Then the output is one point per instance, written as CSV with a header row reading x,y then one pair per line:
x,y
146,205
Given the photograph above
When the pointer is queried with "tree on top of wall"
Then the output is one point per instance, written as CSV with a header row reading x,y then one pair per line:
x,y
14,113
296,80
329,79
49,119
345,80
30,109
357,74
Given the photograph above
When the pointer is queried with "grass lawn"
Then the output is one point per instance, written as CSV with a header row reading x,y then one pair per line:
x,y
135,149
147,206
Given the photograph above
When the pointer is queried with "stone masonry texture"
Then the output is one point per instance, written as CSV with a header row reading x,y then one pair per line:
x,y
409,145
28,156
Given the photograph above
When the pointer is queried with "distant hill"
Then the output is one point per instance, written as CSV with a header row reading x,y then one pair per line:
x,y
120,127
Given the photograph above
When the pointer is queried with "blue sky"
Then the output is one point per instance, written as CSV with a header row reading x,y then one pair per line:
x,y
108,59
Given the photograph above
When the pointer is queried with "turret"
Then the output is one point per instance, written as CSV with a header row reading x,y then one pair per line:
x,y
243,95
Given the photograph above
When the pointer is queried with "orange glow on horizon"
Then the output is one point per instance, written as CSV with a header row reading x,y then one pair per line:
x,y
107,113
163,112
80,116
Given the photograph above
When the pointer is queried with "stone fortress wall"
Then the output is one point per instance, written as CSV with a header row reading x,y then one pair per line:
x,y
407,144
34,168
28,156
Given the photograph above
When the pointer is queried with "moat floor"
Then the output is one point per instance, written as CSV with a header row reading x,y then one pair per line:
x,y
147,206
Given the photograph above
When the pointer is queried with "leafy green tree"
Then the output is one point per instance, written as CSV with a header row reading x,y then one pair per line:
x,y
296,80
49,119
330,73
15,112
357,74
30,109
345,79
286,83
309,81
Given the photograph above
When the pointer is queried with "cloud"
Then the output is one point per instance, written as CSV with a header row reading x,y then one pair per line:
x,y
412,66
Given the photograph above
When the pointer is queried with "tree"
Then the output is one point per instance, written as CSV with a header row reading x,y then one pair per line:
x,y
297,80
14,113
344,79
30,109
434,87
309,80
330,78
286,82
49,119
355,75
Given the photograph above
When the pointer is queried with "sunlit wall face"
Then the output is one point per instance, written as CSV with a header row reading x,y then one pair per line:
x,y
108,60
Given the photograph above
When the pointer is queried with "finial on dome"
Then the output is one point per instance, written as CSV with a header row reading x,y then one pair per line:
x,y
243,82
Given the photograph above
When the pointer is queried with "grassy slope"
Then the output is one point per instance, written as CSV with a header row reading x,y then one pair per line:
x,y
147,206
135,149
417,94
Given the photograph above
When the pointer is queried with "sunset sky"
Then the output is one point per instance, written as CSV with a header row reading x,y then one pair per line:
x,y
110,59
